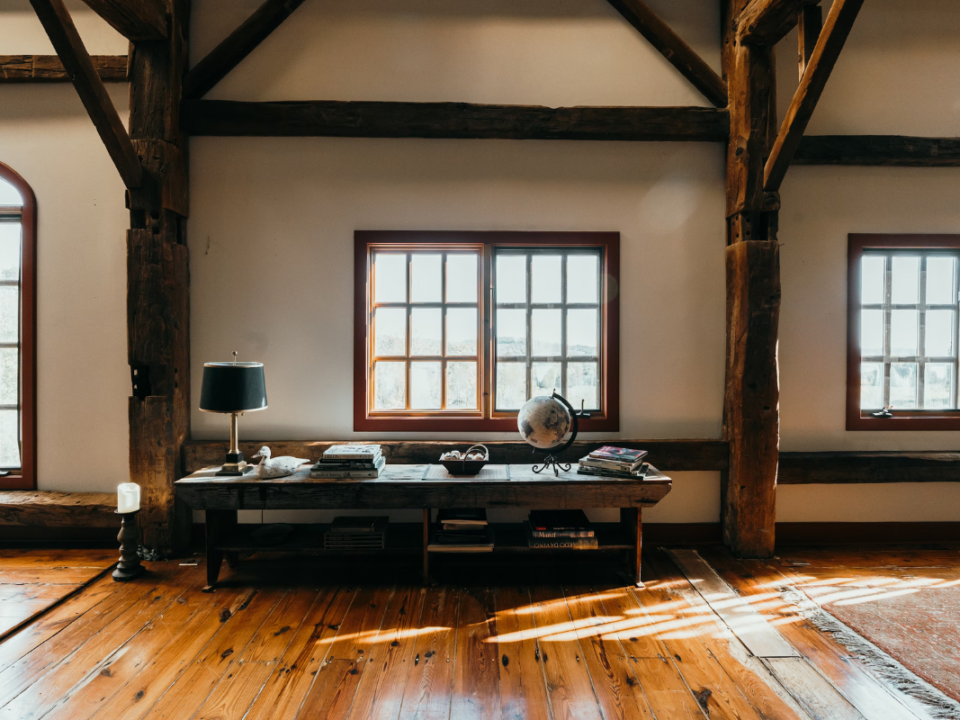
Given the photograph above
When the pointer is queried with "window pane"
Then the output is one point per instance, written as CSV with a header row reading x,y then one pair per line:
x,y
9,439
462,385
871,283
903,385
8,376
390,328
461,278
390,386
390,275
511,281
871,386
583,278
425,331
903,333
425,386
461,331
511,333
545,276
939,333
582,385
938,386
905,287
545,327
871,333
940,274
9,195
9,250
9,314
545,377
511,385
582,333
425,283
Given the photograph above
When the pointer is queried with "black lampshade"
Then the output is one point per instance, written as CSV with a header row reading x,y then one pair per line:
x,y
233,387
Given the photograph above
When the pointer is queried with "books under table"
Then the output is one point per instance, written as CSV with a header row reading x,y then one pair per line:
x,y
347,468
356,533
462,530
559,524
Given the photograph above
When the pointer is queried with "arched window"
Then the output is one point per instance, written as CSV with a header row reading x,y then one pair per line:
x,y
18,391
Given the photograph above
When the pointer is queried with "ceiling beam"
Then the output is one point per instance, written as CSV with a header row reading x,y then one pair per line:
x,y
49,68
240,43
450,120
134,19
888,150
78,65
764,22
674,49
835,31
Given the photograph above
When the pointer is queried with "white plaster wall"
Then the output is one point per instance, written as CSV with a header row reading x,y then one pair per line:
x,y
82,372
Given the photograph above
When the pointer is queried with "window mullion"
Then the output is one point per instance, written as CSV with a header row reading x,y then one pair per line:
x,y
887,297
407,345
529,343
443,331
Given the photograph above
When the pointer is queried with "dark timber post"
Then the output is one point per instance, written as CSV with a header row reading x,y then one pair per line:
x,y
751,413
157,276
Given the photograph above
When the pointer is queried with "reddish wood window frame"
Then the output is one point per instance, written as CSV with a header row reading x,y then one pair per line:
x,y
27,478
365,241
858,419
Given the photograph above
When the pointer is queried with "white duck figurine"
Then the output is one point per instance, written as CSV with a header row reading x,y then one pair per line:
x,y
278,466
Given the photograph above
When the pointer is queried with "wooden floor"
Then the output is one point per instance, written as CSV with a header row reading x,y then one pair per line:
x,y
708,637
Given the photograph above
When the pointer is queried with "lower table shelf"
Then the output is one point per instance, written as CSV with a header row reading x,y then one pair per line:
x,y
407,539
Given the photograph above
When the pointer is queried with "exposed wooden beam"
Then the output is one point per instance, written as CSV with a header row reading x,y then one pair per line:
x,y
828,468
240,43
764,22
134,19
48,508
835,31
674,49
78,65
49,69
450,120
808,32
891,150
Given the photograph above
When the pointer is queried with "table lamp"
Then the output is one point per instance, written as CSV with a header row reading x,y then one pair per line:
x,y
234,388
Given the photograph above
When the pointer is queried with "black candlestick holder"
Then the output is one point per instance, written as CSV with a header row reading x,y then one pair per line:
x,y
129,566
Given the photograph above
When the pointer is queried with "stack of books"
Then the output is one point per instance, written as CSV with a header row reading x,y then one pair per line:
x,y
611,461
563,529
350,462
462,531
356,533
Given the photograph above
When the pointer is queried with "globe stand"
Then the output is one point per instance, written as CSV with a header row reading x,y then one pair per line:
x,y
552,460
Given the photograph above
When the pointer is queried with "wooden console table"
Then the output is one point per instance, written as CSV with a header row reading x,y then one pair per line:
x,y
403,487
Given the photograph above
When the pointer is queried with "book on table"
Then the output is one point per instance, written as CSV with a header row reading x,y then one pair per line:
x,y
614,458
639,474
347,462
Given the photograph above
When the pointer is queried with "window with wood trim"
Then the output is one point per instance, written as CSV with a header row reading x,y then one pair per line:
x,y
456,330
18,221
904,323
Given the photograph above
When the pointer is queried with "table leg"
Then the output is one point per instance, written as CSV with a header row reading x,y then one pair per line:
x,y
218,523
631,520
426,542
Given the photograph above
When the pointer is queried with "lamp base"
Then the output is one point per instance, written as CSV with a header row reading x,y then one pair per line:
x,y
235,465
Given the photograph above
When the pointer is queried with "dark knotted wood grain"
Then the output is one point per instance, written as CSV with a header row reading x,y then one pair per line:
x,y
836,29
78,65
667,455
868,467
808,32
889,150
330,118
764,22
674,49
134,19
58,509
240,43
751,417
49,68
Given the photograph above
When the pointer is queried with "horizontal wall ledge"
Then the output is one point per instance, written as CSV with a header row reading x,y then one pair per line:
x,y
812,468
667,455
890,150
331,118
50,509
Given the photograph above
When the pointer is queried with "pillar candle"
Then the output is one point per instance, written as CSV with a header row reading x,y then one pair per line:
x,y
128,497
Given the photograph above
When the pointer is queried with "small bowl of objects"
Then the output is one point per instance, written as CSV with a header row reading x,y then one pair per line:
x,y
466,463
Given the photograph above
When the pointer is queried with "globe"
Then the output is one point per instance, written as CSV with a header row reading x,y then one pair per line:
x,y
543,421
